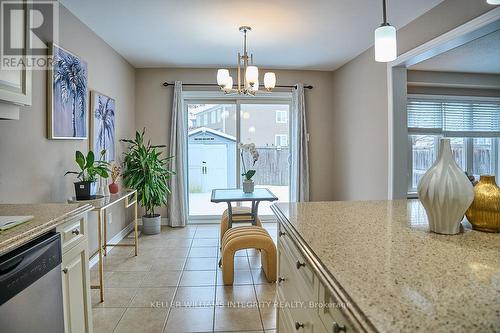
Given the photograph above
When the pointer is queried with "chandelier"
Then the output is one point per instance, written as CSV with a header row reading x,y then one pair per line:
x,y
250,84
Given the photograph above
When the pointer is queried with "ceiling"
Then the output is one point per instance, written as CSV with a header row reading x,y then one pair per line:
x,y
481,55
296,34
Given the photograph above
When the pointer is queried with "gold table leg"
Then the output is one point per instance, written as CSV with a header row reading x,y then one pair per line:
x,y
135,224
105,218
101,270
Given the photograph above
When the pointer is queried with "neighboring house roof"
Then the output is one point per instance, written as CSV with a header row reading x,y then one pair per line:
x,y
211,131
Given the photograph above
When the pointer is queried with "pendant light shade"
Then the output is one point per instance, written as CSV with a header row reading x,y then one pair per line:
x,y
229,83
493,2
222,77
252,75
269,80
385,43
385,39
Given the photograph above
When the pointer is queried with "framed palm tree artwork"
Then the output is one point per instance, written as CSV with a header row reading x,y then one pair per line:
x,y
67,96
102,124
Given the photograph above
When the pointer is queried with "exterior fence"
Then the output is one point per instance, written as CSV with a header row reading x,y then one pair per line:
x,y
272,167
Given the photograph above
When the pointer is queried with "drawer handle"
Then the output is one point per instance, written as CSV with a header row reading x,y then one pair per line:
x,y
300,264
298,325
75,232
281,279
282,233
337,328
65,270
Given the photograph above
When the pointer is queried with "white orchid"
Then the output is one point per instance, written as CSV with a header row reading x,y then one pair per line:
x,y
249,148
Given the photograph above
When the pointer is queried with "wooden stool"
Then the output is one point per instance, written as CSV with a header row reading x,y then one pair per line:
x,y
224,222
251,237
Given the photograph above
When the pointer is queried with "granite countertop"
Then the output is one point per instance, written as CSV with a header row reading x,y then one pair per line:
x,y
402,277
46,218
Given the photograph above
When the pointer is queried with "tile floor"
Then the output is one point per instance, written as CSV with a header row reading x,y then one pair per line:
x,y
175,285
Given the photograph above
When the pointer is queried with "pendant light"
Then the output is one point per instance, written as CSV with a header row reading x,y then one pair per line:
x,y
385,40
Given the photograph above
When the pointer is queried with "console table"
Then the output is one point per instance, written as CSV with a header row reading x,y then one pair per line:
x,y
129,198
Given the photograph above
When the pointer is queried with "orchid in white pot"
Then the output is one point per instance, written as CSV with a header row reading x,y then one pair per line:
x,y
248,184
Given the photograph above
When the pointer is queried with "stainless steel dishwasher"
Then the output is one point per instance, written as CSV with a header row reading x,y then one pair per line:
x,y
31,287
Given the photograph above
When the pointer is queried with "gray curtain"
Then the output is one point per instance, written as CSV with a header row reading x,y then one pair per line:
x,y
177,209
300,150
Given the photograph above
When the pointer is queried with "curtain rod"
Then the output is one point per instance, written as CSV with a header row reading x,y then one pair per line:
x,y
167,84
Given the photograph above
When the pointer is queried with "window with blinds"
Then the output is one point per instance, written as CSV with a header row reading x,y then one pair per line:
x,y
459,118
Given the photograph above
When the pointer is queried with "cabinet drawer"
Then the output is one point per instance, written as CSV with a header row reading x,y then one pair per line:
x,y
331,312
72,233
299,264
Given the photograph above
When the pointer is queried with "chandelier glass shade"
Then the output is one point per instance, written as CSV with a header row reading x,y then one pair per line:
x,y
247,74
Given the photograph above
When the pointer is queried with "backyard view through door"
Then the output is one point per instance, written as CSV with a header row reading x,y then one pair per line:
x,y
214,131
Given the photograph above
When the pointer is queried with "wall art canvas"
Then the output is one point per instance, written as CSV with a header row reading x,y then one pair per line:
x,y
102,125
67,96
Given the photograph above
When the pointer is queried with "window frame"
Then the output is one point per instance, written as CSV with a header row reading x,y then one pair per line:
x,y
276,136
440,133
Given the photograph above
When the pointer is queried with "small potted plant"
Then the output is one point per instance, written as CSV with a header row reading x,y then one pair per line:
x,y
248,184
115,173
147,172
85,189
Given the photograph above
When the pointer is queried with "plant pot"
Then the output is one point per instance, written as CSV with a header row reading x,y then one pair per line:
x,y
85,190
248,186
151,225
113,188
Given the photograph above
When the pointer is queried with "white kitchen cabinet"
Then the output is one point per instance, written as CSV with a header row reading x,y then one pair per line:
x,y
75,277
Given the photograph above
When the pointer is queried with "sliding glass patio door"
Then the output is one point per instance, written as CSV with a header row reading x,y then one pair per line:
x,y
215,127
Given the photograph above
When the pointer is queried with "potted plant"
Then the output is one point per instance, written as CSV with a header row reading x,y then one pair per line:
x,y
248,184
85,189
146,171
115,173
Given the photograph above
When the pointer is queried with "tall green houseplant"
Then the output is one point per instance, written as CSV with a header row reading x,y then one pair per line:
x,y
146,171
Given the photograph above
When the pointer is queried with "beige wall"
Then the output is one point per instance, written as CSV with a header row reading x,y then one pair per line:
x,y
154,103
359,127
31,166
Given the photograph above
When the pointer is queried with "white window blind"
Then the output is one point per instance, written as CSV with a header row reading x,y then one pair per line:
x,y
460,118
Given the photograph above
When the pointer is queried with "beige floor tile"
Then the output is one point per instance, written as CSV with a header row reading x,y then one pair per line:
x,y
268,316
237,319
201,264
113,297
190,320
124,279
205,242
266,292
194,297
236,296
153,297
168,264
144,320
212,234
253,252
173,243
120,251
241,264
240,253
180,252
254,262
258,276
105,319
161,279
204,252
197,278
130,264
241,277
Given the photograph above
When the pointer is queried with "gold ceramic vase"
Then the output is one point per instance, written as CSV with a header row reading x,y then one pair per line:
x,y
484,213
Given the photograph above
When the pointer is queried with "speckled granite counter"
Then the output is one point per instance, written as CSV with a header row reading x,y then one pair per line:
x,y
47,217
402,277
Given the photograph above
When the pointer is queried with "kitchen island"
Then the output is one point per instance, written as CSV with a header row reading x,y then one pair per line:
x,y
378,260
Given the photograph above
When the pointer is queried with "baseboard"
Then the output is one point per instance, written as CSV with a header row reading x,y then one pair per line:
x,y
115,240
